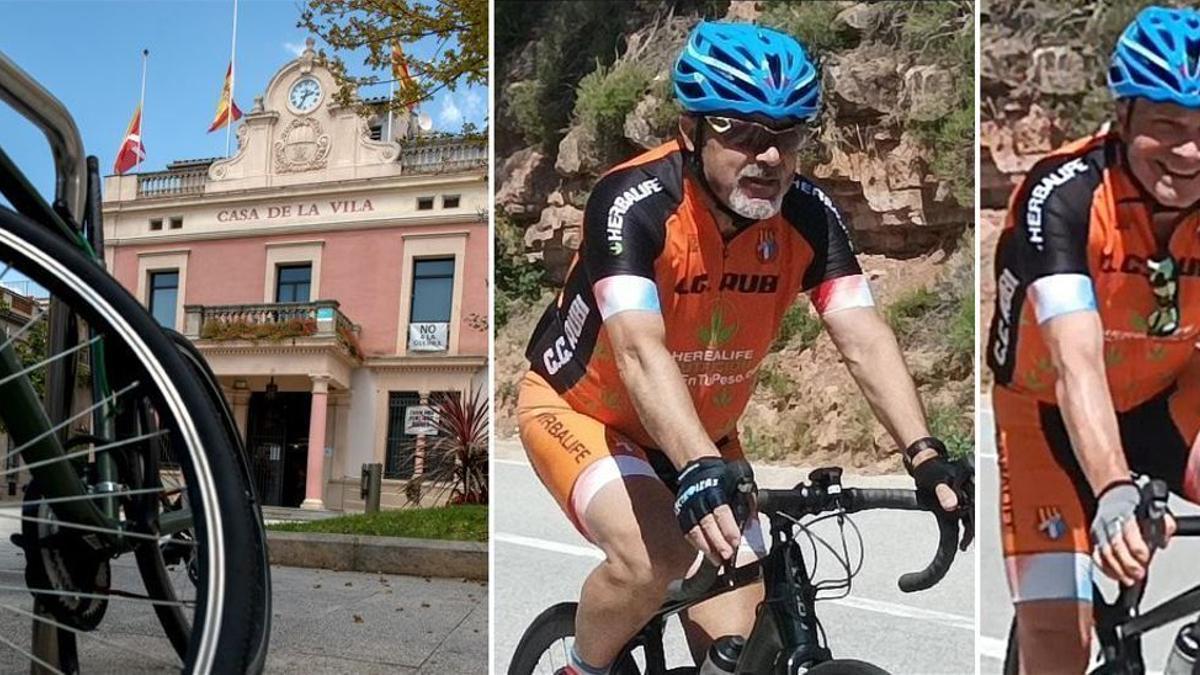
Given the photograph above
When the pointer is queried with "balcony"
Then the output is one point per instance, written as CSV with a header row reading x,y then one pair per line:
x,y
172,183
311,324
443,155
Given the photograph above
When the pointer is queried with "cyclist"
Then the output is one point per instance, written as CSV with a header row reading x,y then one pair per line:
x,y
641,367
1093,341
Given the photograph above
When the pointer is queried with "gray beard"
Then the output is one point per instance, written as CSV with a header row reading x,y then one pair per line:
x,y
755,209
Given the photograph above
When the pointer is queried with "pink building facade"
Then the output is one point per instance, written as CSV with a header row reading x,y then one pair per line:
x,y
333,274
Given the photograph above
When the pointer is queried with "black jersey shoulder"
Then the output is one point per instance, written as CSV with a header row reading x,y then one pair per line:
x,y
624,223
814,215
1051,210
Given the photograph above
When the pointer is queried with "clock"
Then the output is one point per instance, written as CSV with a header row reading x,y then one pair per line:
x,y
305,95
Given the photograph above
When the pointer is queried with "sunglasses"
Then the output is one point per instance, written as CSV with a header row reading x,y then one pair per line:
x,y
754,138
1164,282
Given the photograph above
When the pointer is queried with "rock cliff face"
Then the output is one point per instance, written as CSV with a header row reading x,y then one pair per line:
x,y
867,156
894,150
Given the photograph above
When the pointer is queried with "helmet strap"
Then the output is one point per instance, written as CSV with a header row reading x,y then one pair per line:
x,y
696,162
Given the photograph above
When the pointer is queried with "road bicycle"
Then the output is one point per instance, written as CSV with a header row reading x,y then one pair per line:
x,y
787,637
1121,624
129,465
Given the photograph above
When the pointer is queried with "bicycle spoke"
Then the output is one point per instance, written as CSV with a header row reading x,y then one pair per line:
x,y
28,444
95,528
61,626
84,452
47,361
25,328
4,272
111,595
104,495
30,656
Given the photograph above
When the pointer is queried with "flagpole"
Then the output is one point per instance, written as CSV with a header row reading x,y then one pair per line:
x,y
142,103
232,77
391,102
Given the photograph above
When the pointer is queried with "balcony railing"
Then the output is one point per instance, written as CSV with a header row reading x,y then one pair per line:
x,y
448,155
273,322
172,183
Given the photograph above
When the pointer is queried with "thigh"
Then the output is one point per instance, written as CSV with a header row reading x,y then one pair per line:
x,y
1184,410
574,455
732,613
1045,505
1053,636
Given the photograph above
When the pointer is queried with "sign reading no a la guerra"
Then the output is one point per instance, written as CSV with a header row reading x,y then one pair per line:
x,y
428,337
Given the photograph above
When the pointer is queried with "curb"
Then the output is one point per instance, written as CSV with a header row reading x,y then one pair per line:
x,y
379,555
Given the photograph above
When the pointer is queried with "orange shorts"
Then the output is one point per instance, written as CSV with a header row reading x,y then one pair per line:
x,y
575,455
1046,504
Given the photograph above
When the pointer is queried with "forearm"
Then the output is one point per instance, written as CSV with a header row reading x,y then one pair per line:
x,y
877,365
1091,422
663,404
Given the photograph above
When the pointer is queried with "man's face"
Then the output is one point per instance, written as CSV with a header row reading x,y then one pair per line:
x,y
747,166
1163,142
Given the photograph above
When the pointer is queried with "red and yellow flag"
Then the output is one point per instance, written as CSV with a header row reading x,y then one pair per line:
x,y
400,71
227,110
132,152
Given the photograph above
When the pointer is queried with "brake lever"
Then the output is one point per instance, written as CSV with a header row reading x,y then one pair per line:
x,y
1152,513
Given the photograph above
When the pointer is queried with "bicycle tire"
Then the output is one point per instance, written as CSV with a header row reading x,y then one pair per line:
x,y
1011,655
229,608
846,667
552,625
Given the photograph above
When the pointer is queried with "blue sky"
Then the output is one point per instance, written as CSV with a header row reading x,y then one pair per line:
x,y
88,54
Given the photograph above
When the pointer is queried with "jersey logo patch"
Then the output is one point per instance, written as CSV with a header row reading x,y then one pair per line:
x,y
1051,523
720,328
1041,192
621,206
767,247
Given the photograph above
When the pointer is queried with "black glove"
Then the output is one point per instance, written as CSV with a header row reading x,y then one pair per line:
x,y
958,475
708,482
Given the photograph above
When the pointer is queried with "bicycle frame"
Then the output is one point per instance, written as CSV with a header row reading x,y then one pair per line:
x,y
1120,629
40,427
787,625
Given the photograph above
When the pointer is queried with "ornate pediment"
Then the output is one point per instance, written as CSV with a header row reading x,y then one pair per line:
x,y
303,145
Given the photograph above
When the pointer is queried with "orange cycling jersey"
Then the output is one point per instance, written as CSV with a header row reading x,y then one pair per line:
x,y
1079,235
650,243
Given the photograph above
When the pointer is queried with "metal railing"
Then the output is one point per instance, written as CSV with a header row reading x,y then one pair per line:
x,y
448,155
268,321
172,183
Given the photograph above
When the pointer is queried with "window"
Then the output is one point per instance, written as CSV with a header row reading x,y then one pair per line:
x,y
177,223
164,296
375,131
155,224
401,447
424,203
293,283
450,201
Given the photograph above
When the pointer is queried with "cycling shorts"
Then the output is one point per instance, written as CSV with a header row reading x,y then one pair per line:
x,y
1046,504
576,455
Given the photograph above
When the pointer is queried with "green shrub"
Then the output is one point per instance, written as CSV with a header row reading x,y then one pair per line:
x,y
955,428
907,313
517,279
951,138
799,323
605,96
524,100
811,23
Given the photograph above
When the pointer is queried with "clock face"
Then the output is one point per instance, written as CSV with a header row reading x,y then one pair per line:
x,y
305,94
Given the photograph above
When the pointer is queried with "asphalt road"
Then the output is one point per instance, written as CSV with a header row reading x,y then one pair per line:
x,y
322,623
539,560
1174,569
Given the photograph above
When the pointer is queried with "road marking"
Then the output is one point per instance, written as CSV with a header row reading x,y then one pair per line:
x,y
866,604
511,462
546,545
991,648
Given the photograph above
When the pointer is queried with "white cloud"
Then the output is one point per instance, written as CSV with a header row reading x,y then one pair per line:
x,y
450,116
295,49
474,100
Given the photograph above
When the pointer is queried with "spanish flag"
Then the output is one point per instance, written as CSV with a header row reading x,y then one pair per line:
x,y
132,152
400,72
227,110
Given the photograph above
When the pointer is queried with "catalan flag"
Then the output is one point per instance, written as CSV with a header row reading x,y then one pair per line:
x,y
227,110
400,72
132,151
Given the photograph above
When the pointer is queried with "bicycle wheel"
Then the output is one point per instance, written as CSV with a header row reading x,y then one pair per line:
x,y
147,441
846,667
544,646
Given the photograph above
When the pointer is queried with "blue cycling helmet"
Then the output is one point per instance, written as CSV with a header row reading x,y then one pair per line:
x,y
743,69
1158,58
